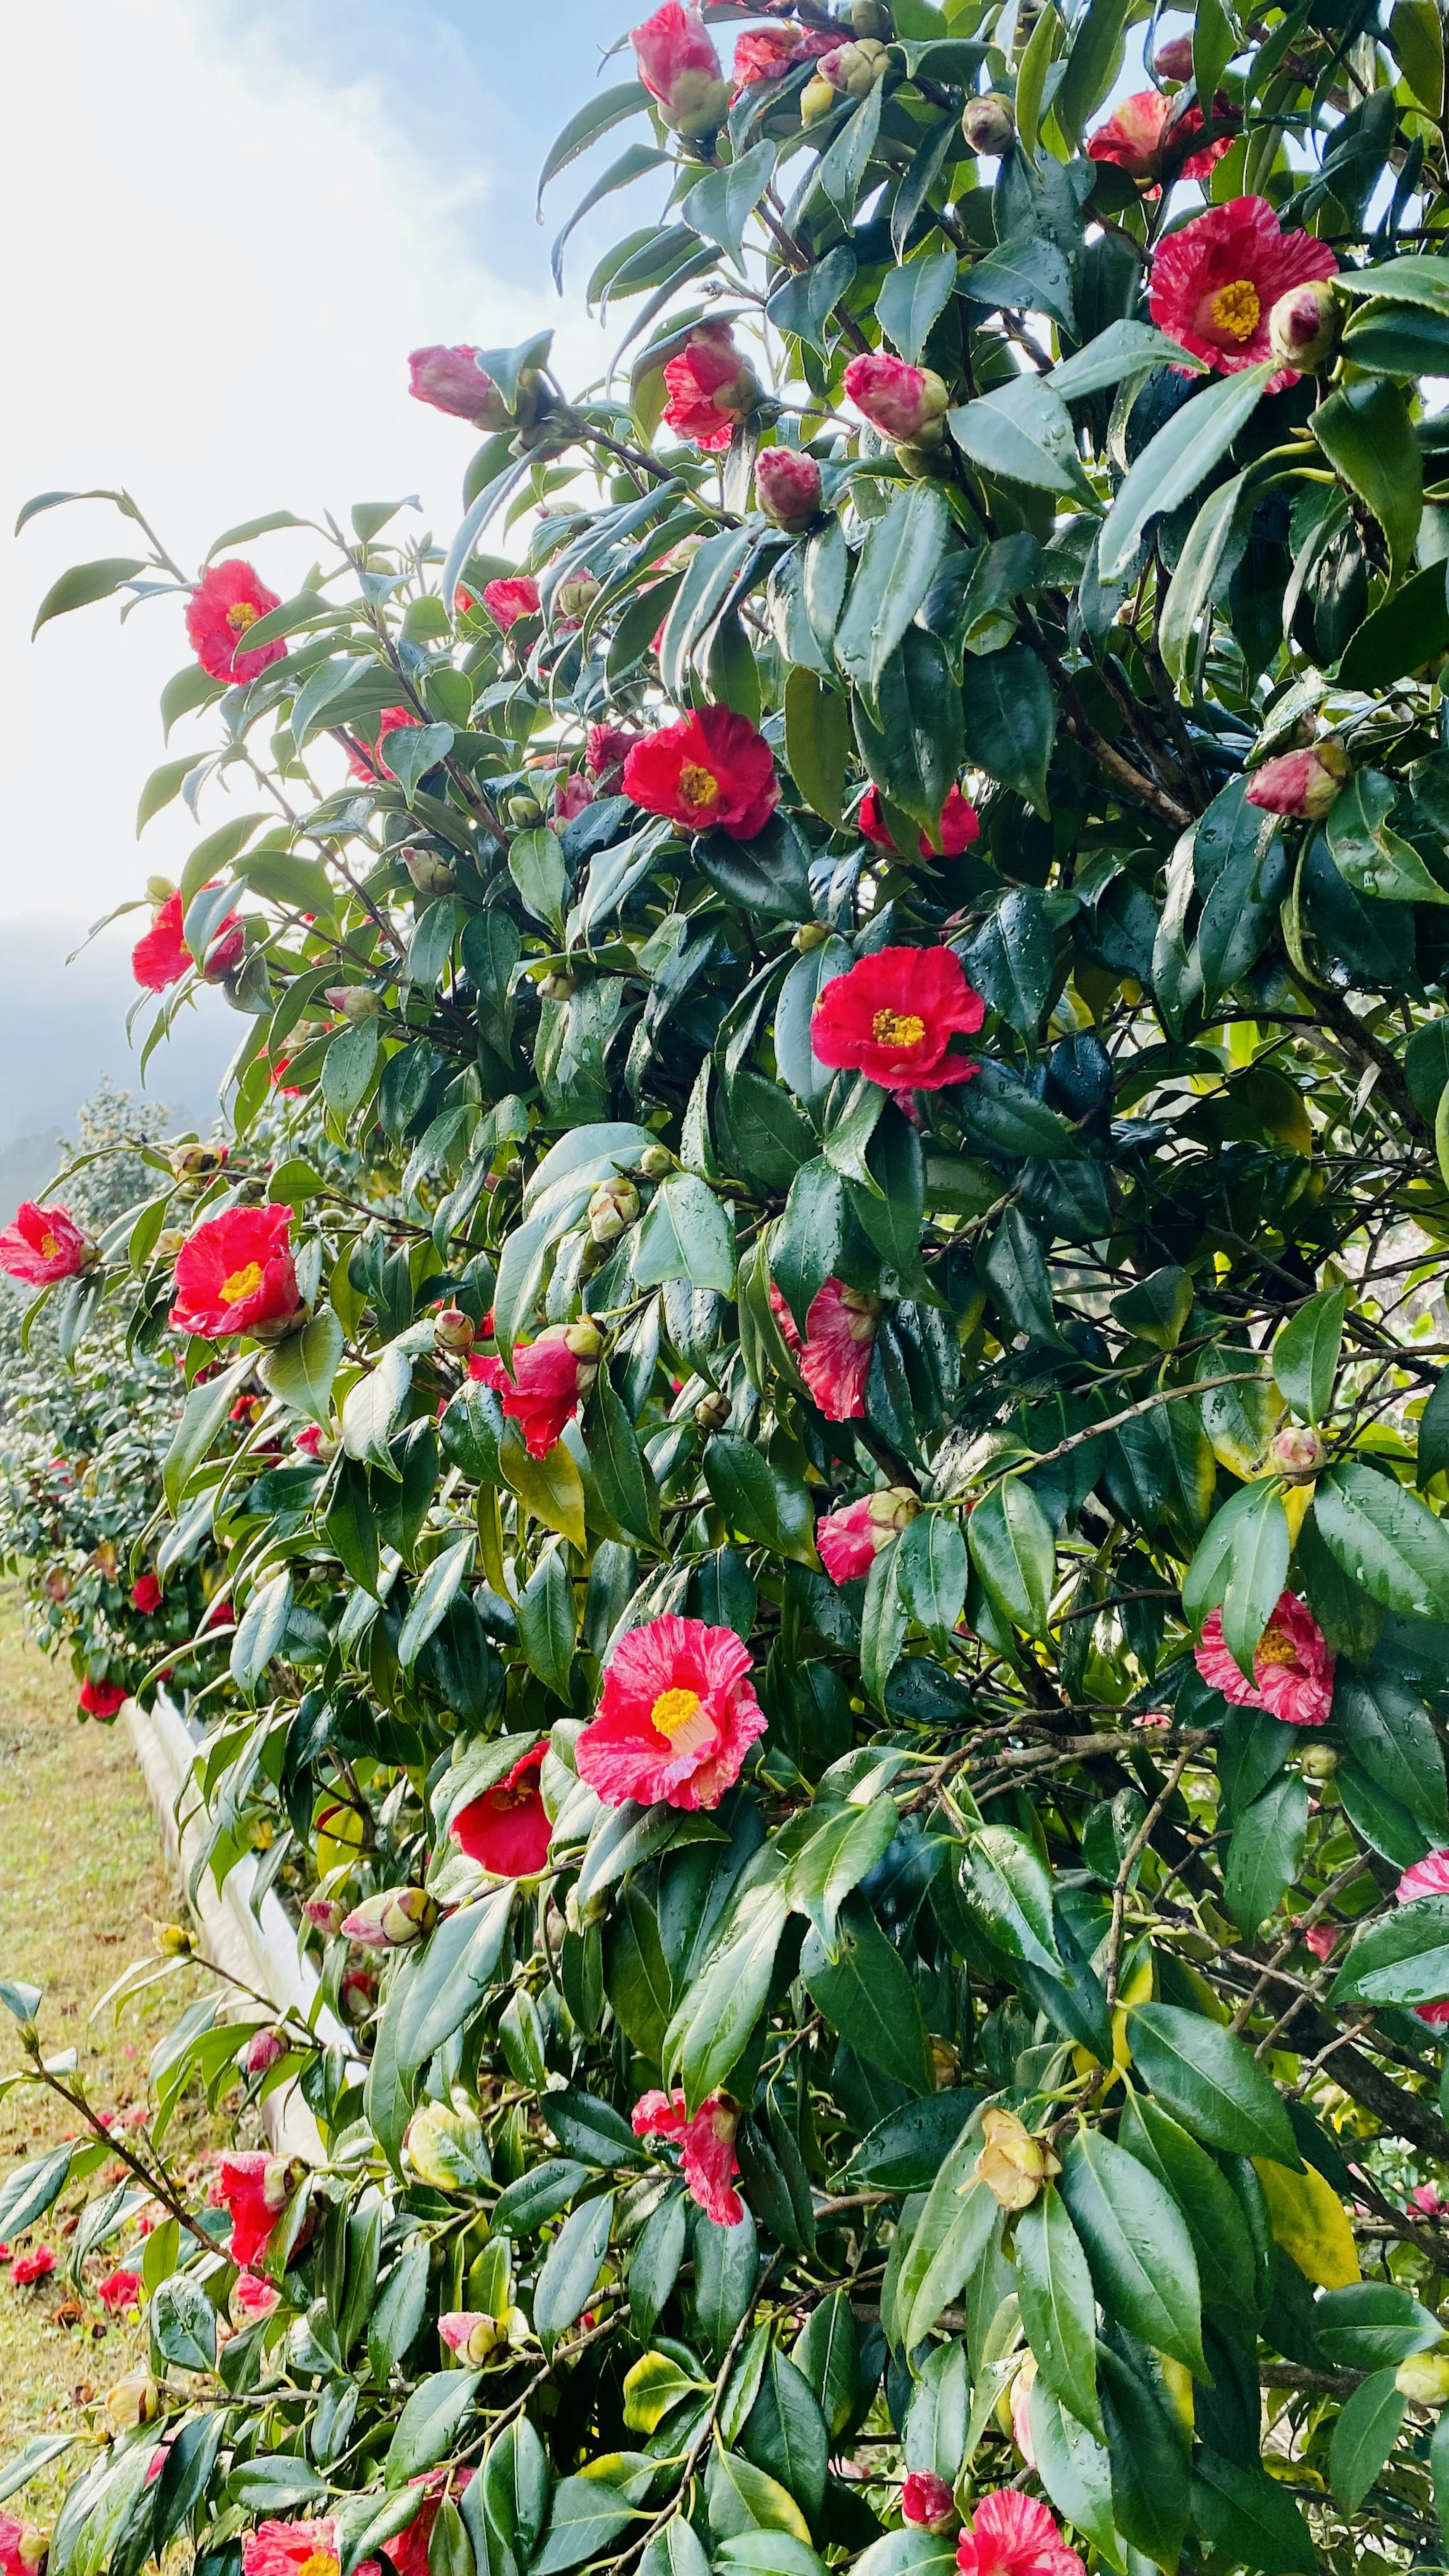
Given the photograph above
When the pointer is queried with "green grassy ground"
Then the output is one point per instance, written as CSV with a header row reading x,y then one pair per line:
x,y
82,1881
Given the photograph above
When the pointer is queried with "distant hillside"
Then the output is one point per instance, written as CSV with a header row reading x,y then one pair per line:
x,y
62,1027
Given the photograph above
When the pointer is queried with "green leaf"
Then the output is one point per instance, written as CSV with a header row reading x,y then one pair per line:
x,y
1411,626
450,1976
1058,2310
835,1860
931,1574
896,567
1305,1353
429,1605
1091,63
571,2269
817,749
205,1411
866,1994
1384,1539
1392,1737
373,1407
1010,720
36,2454
685,1234
183,2323
1257,1570
1403,1958
720,206
1022,433
430,2423
709,2032
762,1503
912,738
913,298
1266,1851
1176,461
83,585
28,2192
1010,1886
1211,2082
1137,2245
301,1369
1011,1546
547,1624
1363,2437
536,865
1368,438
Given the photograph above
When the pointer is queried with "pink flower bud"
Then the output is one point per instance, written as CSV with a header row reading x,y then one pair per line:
x,y
262,2050
613,1207
471,2333
680,68
854,69
356,1001
1304,324
989,123
453,1330
787,487
1173,61
393,1919
322,1914
429,871
1297,1451
131,2402
927,2501
452,381
1301,783
904,403
572,796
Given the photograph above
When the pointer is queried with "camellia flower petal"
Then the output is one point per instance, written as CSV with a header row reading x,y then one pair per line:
x,y
1146,137
709,384
549,1379
849,1541
927,2501
24,2547
713,771
409,2550
1215,283
297,2549
254,2294
1292,1665
679,66
161,957
255,2188
1014,2535
37,2265
676,1717
960,825
368,762
768,53
452,381
902,402
236,1273
120,2290
507,601
606,749
1306,783
787,487
706,2148
103,1700
507,1829
893,1016
834,1358
1427,1877
41,1245
228,600
146,1594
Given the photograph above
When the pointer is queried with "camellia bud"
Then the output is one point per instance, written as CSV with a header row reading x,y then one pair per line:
x,y
357,1993
196,1162
1305,784
169,1242
133,2401
556,987
471,2334
655,1161
159,890
393,1919
453,1330
581,1918
811,934
904,403
1318,1762
1304,325
945,2064
429,871
613,1207
1173,61
523,810
927,2502
680,68
989,123
1424,2378
787,487
173,1940
585,1341
854,69
262,2050
356,1001
1298,1451
573,599
324,1914
817,98
1012,2163
712,1411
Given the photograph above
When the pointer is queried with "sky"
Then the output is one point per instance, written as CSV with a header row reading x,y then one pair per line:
x,y
237,220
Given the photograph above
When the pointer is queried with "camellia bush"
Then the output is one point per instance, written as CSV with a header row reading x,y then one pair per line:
x,y
836,1568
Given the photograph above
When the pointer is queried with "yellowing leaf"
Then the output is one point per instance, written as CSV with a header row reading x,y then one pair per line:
x,y
650,2389
550,1487
1310,2222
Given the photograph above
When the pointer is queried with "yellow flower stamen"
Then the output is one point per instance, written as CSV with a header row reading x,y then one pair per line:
x,y
1236,308
321,2563
48,1247
242,1283
239,617
897,1029
698,788
1275,1646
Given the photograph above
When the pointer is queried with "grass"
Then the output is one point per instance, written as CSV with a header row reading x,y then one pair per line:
x,y
82,1882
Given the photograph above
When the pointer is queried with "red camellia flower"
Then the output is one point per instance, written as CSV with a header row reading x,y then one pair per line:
x,y
41,1245
893,1016
409,2551
225,603
960,825
1145,135
606,749
507,601
1215,283
706,2148
900,401
1427,1877
679,66
550,1377
677,1716
507,1829
103,1700
35,2266
254,2188
1292,1665
1014,2535
767,53
297,2549
834,1358
146,1594
23,2547
709,384
120,2290
849,1541
161,956
927,2501
235,1273
254,2295
1305,784
367,762
711,772
787,487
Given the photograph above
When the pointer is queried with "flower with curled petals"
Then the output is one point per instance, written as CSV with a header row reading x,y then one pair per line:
x,y
161,957
1215,283
679,67
1292,1665
120,2290
713,771
548,1381
849,1541
706,2148
41,1245
506,1830
103,1700
927,2502
768,53
1147,137
254,2294
677,1715
709,385
1014,2535
893,1015
297,2549
834,1357
508,600
24,2547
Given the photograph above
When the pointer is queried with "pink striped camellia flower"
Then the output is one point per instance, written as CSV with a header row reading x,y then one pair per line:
x,y
1427,1877
849,1541
706,2148
768,53
1215,283
787,487
41,1245
680,68
927,2502
1146,136
677,1715
710,384
297,2549
452,381
507,601
1292,1665
1013,2535
834,1357
254,2294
